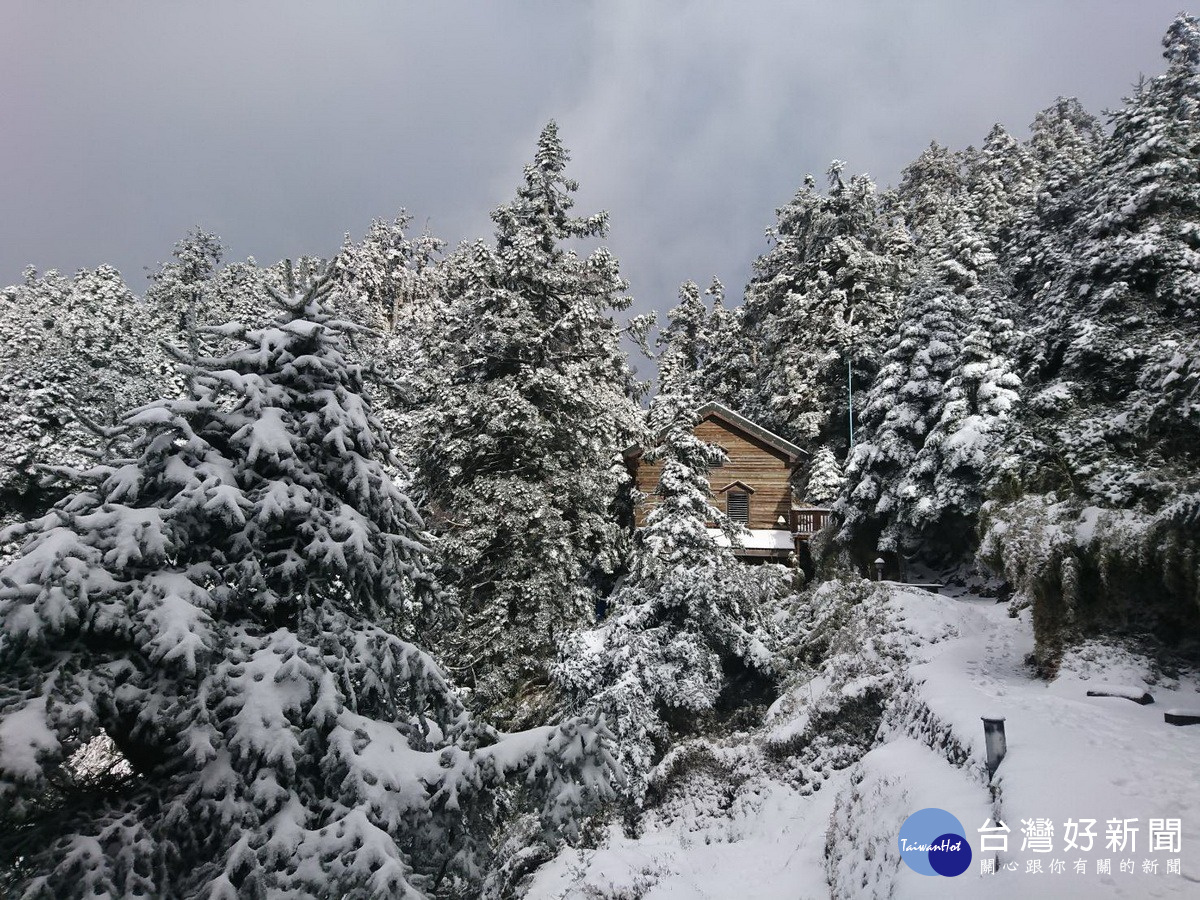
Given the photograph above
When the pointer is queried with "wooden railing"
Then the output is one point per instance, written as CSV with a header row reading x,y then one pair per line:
x,y
807,522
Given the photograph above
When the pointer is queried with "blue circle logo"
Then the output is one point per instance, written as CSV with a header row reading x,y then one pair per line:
x,y
933,842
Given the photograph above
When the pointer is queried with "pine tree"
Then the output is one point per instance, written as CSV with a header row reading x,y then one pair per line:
x,y
902,406
1107,430
687,619
962,452
394,284
1111,301
178,291
932,193
222,598
517,455
1064,144
825,295
1142,230
939,408
683,356
825,478
197,289
1000,183
70,348
1064,140
727,374
391,279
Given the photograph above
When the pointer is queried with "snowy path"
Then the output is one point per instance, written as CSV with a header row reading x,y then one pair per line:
x,y
1070,756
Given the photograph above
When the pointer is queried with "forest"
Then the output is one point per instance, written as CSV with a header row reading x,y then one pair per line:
x,y
318,578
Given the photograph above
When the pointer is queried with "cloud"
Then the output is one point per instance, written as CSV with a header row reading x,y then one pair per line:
x,y
697,119
281,125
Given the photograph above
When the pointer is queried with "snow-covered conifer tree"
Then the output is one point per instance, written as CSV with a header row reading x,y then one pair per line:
x,y
683,356
825,478
687,618
224,597
517,454
1109,283
825,294
69,347
963,449
1110,294
393,284
1001,180
196,289
732,359
937,412
902,405
931,194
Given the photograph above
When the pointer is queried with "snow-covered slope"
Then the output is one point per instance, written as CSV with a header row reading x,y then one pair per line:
x,y
740,823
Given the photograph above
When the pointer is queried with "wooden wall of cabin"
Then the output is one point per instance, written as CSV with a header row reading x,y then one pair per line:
x,y
763,468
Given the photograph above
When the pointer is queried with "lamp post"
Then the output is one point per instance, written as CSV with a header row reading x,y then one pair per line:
x,y
994,742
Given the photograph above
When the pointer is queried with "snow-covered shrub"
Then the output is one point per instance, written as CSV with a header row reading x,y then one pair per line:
x,y
222,597
845,653
861,852
1085,569
664,658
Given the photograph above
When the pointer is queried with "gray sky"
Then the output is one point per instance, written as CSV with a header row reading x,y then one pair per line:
x,y
283,125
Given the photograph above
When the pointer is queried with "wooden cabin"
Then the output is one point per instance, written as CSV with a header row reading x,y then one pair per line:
x,y
753,487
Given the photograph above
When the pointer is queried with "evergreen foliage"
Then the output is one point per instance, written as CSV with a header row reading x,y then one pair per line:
x,y
824,296
226,598
825,477
70,347
904,403
1109,430
938,411
395,285
688,619
684,353
517,454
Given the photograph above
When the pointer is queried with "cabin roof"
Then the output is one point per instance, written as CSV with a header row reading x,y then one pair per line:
x,y
737,420
739,484
757,539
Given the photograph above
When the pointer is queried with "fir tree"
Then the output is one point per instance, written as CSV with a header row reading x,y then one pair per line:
x,y
1107,431
686,620
1111,301
962,451
822,298
931,194
727,373
1000,183
197,289
683,356
825,478
222,599
517,455
938,409
902,406
71,348
394,284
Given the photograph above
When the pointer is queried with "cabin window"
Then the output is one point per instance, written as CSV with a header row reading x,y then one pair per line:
x,y
737,506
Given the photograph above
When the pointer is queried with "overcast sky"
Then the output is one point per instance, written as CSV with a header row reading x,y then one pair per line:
x,y
283,125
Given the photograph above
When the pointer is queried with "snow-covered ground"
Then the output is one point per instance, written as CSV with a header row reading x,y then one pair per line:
x,y
1070,757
